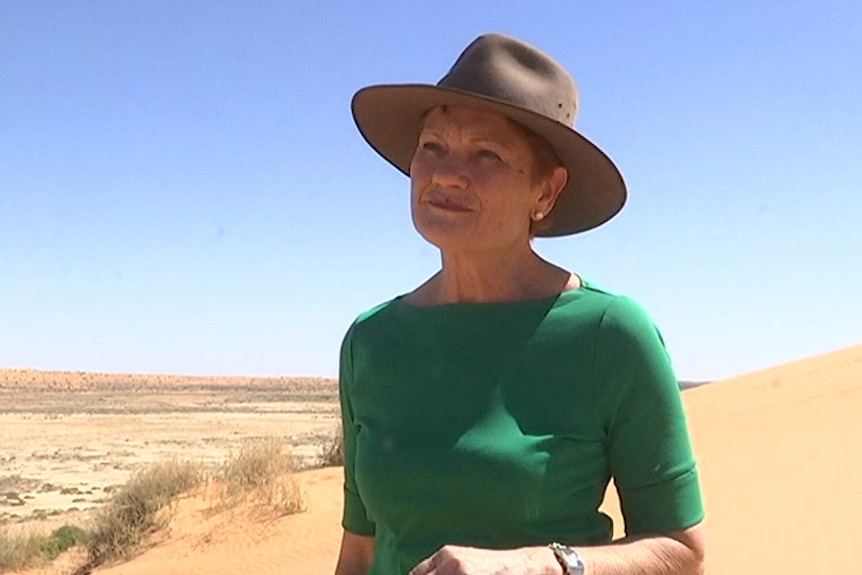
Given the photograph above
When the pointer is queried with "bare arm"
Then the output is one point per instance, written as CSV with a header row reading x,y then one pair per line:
x,y
356,555
678,553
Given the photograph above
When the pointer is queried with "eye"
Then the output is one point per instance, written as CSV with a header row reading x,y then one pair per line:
x,y
489,154
431,146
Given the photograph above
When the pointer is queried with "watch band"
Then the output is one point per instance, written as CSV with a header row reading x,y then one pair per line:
x,y
569,559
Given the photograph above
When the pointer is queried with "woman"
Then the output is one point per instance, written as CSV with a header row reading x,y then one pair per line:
x,y
485,412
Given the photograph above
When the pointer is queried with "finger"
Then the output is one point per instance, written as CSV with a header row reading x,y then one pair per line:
x,y
426,567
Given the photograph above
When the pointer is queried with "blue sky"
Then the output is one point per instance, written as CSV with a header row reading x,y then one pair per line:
x,y
182,189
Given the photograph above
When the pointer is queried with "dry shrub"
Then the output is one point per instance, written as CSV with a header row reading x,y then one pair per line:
x,y
260,473
20,550
23,549
62,539
333,454
132,514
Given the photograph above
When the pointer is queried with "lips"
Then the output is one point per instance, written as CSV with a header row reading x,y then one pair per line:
x,y
447,204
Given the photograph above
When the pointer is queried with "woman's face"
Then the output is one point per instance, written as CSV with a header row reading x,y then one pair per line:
x,y
472,184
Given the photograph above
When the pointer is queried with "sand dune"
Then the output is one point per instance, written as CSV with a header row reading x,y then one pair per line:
x,y
781,456
241,542
781,463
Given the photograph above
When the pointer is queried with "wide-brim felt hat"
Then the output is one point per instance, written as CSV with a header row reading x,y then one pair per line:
x,y
502,74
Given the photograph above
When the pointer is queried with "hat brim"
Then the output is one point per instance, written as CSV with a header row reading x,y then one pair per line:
x,y
389,117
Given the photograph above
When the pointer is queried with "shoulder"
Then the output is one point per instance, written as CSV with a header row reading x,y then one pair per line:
x,y
613,315
371,314
628,342
621,315
370,320
357,335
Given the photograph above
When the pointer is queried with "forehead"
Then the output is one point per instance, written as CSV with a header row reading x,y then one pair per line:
x,y
474,122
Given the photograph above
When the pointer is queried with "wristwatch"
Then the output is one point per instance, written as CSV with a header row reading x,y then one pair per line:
x,y
569,559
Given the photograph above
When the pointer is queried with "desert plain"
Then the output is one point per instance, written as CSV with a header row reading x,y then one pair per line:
x,y
779,453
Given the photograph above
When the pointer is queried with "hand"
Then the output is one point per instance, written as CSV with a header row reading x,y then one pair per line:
x,y
455,560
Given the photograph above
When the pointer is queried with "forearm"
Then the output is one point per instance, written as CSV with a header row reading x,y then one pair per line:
x,y
652,555
345,568
676,554
356,554
632,556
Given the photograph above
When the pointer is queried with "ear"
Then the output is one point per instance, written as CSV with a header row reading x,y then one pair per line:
x,y
551,189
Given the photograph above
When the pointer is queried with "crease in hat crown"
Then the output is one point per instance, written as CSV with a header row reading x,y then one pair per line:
x,y
542,85
505,75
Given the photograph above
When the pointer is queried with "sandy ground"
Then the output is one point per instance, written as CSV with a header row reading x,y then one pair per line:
x,y
781,457
781,464
68,439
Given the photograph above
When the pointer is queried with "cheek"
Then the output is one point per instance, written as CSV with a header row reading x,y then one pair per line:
x,y
418,175
418,166
414,192
416,188
507,196
421,176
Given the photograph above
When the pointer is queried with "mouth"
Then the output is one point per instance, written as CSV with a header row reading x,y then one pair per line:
x,y
448,205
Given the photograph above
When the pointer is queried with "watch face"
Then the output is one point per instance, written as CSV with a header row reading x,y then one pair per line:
x,y
569,559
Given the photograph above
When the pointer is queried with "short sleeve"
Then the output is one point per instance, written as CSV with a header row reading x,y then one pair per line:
x,y
649,450
354,517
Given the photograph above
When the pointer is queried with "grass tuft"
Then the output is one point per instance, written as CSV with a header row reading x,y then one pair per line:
x,y
132,514
333,454
20,550
24,549
260,473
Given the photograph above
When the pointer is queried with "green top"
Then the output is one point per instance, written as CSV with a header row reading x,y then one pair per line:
x,y
499,425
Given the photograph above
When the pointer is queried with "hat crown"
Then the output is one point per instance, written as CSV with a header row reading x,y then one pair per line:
x,y
511,71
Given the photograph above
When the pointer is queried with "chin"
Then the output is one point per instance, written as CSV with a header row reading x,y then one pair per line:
x,y
446,236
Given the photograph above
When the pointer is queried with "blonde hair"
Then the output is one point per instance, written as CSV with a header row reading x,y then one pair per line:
x,y
545,160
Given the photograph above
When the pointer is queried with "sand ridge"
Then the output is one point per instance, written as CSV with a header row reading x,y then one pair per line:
x,y
35,379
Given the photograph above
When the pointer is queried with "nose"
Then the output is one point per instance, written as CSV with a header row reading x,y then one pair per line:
x,y
449,171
